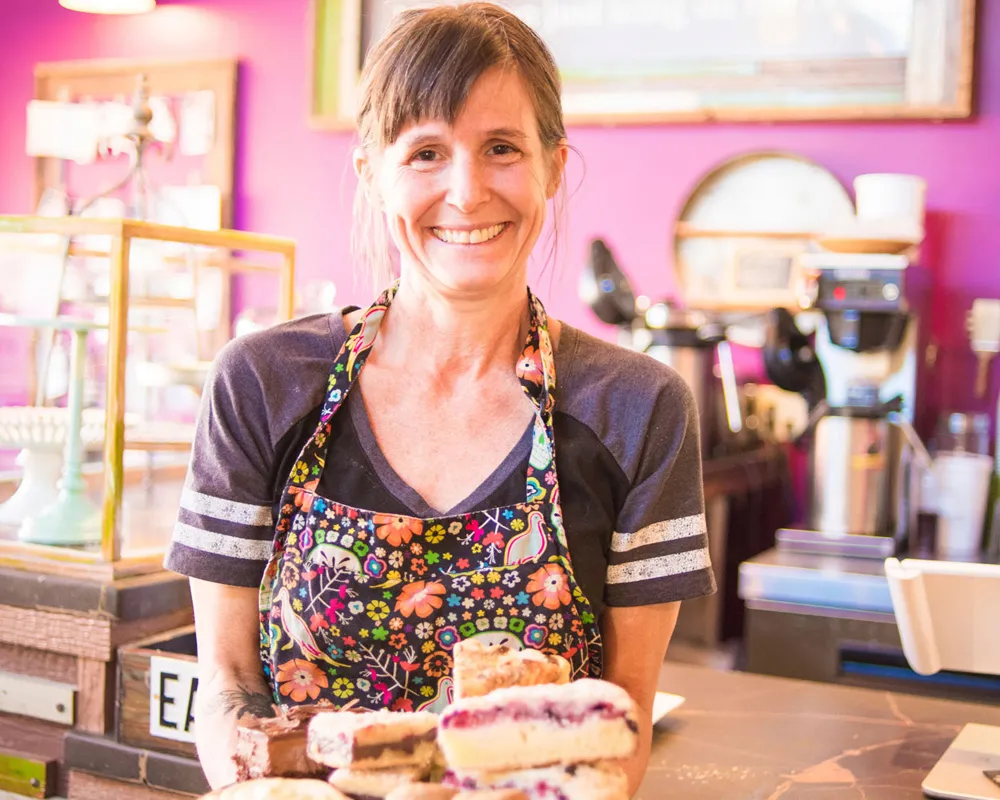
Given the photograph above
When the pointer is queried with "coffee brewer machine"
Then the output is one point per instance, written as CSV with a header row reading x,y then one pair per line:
x,y
861,443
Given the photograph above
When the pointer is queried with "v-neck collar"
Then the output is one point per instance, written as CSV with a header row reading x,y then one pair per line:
x,y
406,494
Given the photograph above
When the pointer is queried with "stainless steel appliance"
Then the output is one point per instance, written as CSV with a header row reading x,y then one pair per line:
x,y
691,342
861,445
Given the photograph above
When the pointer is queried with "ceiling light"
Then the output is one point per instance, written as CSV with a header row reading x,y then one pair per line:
x,y
109,6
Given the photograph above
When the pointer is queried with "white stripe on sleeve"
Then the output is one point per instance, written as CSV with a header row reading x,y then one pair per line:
x,y
221,544
228,510
660,567
659,532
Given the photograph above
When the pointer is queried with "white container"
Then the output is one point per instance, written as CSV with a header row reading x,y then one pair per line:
x,y
895,200
963,482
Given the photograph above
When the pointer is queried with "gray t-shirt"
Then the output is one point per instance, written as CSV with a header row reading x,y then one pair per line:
x,y
627,456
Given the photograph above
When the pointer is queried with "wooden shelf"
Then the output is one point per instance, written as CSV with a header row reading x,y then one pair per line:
x,y
686,231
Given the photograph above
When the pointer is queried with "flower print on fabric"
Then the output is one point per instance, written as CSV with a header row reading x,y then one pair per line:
x,y
360,606
397,530
300,680
549,587
529,366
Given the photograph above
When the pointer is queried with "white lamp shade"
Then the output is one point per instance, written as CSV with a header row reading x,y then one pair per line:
x,y
109,6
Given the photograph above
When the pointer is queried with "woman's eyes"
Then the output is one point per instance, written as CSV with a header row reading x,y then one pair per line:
x,y
429,156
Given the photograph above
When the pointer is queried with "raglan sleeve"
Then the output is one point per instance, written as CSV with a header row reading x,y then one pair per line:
x,y
224,530
659,549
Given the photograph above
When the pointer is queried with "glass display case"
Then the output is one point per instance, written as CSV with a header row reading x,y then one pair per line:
x,y
111,327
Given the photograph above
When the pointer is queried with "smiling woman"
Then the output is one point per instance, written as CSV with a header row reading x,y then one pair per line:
x,y
340,543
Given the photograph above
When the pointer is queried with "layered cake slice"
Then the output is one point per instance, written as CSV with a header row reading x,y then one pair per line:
x,y
277,789
422,791
492,794
374,784
480,668
560,782
276,746
373,740
534,726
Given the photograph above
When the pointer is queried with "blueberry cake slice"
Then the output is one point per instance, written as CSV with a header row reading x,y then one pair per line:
x,y
560,782
534,726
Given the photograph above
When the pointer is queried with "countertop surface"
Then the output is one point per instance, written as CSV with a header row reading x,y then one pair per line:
x,y
745,737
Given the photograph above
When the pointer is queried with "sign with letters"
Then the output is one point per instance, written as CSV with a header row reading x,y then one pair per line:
x,y
173,688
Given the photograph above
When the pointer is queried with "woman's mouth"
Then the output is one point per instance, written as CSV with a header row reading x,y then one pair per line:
x,y
477,236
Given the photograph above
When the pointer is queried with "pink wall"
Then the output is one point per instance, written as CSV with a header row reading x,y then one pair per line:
x,y
296,182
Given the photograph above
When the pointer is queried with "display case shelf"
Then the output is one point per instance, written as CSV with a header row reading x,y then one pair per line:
x,y
230,251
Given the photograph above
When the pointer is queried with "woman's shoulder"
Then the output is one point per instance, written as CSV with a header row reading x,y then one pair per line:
x,y
635,406
584,360
283,348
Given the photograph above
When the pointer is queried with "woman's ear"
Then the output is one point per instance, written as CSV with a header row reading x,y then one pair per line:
x,y
362,168
557,168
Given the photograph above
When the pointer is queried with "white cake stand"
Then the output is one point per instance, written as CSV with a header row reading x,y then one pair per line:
x,y
66,516
40,436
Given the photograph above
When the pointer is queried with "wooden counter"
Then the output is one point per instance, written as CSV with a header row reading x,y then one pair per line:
x,y
755,737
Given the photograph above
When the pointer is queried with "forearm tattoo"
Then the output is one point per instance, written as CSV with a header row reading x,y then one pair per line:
x,y
244,701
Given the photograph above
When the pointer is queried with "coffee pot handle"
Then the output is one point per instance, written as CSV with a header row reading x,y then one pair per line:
x,y
922,456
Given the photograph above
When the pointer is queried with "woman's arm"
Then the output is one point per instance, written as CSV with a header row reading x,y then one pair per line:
x,y
635,642
231,683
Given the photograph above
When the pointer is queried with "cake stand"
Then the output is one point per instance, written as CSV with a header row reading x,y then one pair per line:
x,y
69,517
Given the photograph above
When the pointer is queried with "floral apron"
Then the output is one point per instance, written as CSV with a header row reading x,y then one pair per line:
x,y
358,605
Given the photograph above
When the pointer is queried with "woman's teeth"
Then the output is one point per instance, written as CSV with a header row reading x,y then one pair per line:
x,y
468,237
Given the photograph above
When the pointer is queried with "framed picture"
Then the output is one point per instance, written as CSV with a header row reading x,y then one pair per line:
x,y
649,61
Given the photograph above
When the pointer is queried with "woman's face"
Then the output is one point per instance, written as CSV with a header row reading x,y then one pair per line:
x,y
465,203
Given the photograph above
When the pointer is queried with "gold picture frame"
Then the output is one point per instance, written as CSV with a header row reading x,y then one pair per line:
x,y
933,79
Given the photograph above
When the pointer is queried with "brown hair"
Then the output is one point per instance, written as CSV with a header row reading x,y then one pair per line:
x,y
424,67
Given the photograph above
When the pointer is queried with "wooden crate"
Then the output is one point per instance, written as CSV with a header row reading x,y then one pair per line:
x,y
41,744
84,786
98,767
156,720
59,638
27,775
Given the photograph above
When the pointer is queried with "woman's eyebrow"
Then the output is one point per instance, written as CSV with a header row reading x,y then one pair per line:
x,y
506,133
419,140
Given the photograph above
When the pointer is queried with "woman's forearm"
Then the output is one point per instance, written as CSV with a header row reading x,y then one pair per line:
x,y
635,767
224,702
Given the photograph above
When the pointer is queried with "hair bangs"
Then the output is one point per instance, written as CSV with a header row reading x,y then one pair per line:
x,y
434,75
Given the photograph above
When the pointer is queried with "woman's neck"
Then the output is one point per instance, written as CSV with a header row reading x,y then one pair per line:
x,y
428,330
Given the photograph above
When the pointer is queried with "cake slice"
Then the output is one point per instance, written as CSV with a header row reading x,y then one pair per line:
x,y
533,726
373,740
422,791
577,781
480,668
493,794
277,789
268,747
374,784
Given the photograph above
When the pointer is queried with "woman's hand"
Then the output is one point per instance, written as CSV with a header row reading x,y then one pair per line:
x,y
635,642
231,685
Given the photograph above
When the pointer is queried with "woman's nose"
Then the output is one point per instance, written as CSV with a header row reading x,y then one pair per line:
x,y
467,185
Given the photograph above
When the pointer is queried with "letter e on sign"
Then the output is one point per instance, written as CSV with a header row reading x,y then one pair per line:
x,y
173,686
